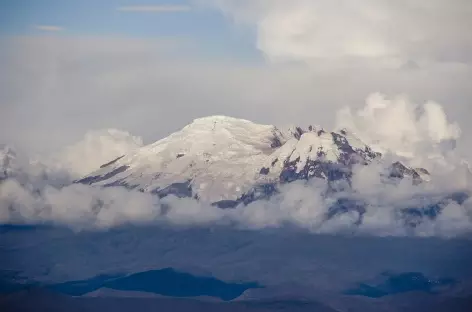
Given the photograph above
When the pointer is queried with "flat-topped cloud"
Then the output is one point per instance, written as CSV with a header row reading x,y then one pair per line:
x,y
52,28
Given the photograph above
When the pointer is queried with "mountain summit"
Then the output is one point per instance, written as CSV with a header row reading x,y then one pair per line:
x,y
220,159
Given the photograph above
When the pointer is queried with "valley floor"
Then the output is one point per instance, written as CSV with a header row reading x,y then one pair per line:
x,y
282,270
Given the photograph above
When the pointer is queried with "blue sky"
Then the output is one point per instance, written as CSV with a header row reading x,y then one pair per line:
x,y
213,33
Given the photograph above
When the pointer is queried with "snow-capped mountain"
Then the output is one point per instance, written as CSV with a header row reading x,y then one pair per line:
x,y
223,160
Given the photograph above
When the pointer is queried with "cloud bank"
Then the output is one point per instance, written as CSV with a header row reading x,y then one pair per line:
x,y
147,87
300,204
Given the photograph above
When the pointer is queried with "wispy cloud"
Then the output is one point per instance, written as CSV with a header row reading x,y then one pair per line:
x,y
48,27
154,8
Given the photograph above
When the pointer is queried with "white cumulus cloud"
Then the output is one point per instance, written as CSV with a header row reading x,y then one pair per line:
x,y
392,32
400,126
